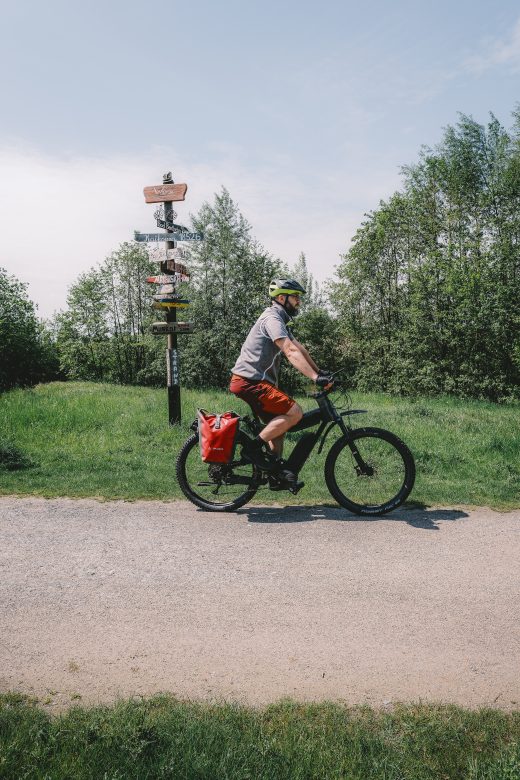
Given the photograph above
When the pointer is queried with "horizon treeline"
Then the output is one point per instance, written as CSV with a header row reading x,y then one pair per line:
x,y
426,301
428,297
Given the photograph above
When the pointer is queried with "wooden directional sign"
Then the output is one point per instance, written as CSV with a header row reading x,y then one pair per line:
x,y
163,328
166,289
167,266
162,223
174,305
183,275
151,237
174,278
169,298
163,279
165,192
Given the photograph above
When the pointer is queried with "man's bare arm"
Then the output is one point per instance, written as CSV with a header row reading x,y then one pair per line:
x,y
305,353
296,357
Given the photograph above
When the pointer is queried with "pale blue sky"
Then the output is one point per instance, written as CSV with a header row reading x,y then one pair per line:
x,y
304,112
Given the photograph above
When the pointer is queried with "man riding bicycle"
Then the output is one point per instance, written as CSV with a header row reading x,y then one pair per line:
x,y
255,376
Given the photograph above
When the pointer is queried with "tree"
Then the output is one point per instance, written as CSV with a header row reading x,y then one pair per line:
x,y
103,335
230,279
300,272
27,353
428,295
315,327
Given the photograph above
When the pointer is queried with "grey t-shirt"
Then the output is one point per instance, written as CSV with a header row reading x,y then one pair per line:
x,y
259,359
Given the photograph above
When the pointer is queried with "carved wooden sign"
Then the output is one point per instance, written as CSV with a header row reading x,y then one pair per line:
x,y
168,278
180,268
170,304
163,328
172,297
163,223
162,193
151,237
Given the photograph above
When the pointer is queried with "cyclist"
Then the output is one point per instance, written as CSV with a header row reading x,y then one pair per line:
x,y
255,376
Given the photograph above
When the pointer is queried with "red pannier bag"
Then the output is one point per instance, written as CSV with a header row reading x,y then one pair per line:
x,y
217,436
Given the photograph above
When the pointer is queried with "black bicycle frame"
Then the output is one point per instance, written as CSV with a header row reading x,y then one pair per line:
x,y
327,417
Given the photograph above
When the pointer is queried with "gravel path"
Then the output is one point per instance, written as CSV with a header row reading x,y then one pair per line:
x,y
101,600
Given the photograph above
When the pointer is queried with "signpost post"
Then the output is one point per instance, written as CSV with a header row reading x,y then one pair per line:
x,y
172,355
167,299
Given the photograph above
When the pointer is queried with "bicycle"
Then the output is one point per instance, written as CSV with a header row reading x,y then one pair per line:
x,y
369,471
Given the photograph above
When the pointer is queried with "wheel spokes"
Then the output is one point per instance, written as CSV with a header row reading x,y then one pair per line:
x,y
218,484
375,476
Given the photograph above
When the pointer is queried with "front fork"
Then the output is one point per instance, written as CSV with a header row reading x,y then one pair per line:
x,y
363,469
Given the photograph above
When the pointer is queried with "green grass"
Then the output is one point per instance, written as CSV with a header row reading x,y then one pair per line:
x,y
85,439
166,738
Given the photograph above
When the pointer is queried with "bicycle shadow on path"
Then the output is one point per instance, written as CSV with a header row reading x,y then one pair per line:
x,y
423,518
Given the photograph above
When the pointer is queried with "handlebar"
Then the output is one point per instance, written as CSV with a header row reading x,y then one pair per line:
x,y
329,388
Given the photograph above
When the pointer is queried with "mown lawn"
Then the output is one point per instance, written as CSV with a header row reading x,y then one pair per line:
x,y
166,738
86,439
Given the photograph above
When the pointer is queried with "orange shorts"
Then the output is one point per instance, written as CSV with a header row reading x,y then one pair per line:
x,y
264,398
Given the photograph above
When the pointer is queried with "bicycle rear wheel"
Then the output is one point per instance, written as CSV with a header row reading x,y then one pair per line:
x,y
370,472
215,487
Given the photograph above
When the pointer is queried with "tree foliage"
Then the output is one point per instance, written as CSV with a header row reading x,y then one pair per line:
x,y
314,327
27,351
230,279
428,296
104,334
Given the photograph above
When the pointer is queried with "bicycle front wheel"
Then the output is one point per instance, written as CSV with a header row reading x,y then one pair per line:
x,y
215,487
370,471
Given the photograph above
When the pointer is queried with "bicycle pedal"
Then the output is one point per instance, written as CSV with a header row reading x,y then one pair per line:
x,y
277,483
296,488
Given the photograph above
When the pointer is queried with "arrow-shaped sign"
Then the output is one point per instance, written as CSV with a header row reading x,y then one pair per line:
x,y
170,305
169,298
151,237
163,328
168,279
165,192
162,223
167,289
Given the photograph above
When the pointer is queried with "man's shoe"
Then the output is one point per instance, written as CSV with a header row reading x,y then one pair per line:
x,y
285,480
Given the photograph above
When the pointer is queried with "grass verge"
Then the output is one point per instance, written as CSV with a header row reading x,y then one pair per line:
x,y
84,439
165,738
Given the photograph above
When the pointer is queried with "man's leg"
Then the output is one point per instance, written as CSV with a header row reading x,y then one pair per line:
x,y
266,400
275,430
276,445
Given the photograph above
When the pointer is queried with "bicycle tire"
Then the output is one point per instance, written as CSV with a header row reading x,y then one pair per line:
x,y
193,474
392,478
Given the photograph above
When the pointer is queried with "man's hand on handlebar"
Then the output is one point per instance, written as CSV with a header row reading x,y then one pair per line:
x,y
324,380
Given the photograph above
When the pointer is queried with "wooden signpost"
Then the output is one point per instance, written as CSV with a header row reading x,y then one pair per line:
x,y
172,272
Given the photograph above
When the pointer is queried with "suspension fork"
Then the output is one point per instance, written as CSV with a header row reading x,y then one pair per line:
x,y
362,468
